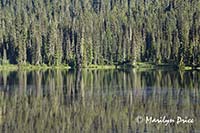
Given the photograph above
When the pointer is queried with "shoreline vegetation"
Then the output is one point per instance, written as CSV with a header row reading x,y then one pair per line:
x,y
137,65
112,32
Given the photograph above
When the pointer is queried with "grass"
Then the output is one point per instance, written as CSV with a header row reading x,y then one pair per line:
x,y
44,67
31,67
137,65
101,67
161,65
151,65
144,65
187,68
8,67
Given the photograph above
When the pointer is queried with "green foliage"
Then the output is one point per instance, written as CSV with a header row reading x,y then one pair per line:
x,y
4,62
81,33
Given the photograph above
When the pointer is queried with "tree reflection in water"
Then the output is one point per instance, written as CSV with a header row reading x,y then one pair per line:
x,y
97,100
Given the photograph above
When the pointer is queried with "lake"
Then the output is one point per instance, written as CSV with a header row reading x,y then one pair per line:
x,y
100,101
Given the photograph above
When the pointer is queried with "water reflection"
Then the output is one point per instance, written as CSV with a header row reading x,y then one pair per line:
x,y
97,100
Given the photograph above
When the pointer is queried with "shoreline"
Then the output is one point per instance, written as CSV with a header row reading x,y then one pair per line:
x,y
138,65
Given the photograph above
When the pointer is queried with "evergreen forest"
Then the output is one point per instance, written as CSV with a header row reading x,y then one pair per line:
x,y
81,33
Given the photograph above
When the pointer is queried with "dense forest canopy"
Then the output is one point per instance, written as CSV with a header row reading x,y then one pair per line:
x,y
84,32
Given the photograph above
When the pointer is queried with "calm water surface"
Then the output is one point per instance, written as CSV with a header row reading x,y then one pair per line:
x,y
99,101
